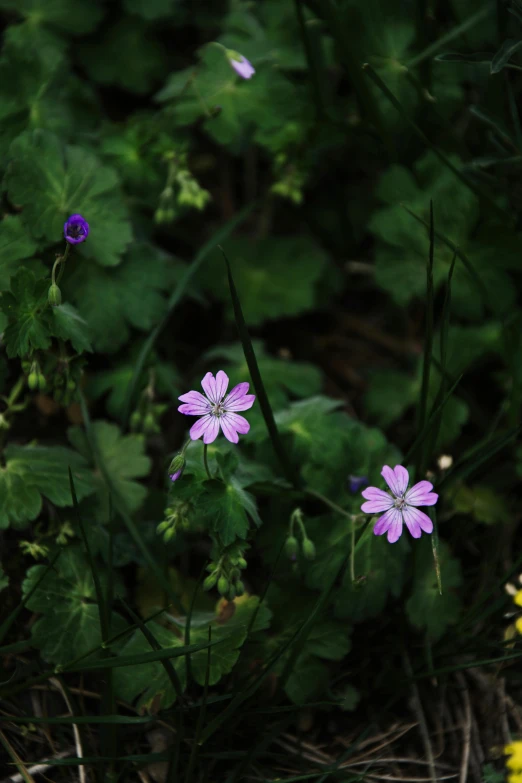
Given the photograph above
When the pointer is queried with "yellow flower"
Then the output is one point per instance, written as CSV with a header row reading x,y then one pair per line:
x,y
516,777
517,598
515,761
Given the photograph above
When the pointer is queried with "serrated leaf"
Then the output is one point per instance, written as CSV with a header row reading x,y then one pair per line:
x,y
274,277
136,61
70,624
308,680
69,325
46,468
51,181
228,508
426,608
113,300
482,503
124,460
16,244
27,310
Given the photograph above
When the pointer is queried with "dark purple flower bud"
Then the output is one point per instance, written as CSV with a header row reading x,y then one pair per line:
x,y
357,482
76,229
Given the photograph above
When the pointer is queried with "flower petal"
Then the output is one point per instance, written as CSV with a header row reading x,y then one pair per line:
x,y
196,398
378,503
417,520
374,493
212,431
228,430
200,426
395,531
215,388
195,404
238,399
239,423
420,495
383,523
397,479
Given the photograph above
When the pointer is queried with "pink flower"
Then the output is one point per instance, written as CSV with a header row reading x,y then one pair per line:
x,y
400,506
240,64
216,409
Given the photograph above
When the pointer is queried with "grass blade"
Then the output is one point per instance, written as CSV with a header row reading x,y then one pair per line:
x,y
201,716
451,35
314,59
174,300
259,387
428,344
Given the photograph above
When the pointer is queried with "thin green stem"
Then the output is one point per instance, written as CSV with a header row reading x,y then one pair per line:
x,y
61,260
205,460
329,503
352,552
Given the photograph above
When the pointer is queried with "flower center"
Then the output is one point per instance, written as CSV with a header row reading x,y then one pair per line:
x,y
218,409
75,230
399,503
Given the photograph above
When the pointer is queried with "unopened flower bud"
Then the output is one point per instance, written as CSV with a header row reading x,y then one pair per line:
x,y
54,296
176,467
242,563
42,383
308,549
240,588
231,593
135,420
234,574
223,585
291,547
32,381
210,581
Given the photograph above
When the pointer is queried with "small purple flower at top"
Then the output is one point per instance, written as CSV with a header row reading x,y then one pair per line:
x,y
218,410
76,229
401,505
240,64
356,483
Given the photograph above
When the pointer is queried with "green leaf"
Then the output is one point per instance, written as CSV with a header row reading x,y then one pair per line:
x,y
403,242
70,624
228,508
482,503
124,459
308,680
16,244
125,56
426,608
274,277
51,181
69,325
57,13
27,310
113,300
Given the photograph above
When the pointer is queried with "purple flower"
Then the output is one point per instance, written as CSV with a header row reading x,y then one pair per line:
x,y
216,409
76,229
400,506
175,476
356,482
240,64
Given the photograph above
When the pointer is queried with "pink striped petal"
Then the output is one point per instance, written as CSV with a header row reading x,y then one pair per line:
x,y
417,518
215,388
200,426
376,504
384,522
238,391
189,409
228,430
212,431
238,399
239,423
373,493
420,495
196,398
412,523
395,530
397,479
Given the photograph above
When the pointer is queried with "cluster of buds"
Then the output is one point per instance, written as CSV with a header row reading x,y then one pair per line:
x,y
147,415
35,379
177,517
181,190
226,573
290,180
292,546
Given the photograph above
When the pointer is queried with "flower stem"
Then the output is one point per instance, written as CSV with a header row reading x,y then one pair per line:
x,y
60,260
330,503
205,460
